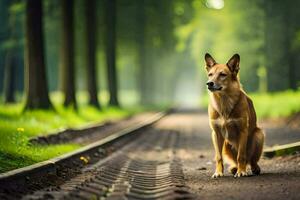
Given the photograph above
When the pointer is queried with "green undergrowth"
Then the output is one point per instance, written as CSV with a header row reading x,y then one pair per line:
x,y
17,126
279,104
272,105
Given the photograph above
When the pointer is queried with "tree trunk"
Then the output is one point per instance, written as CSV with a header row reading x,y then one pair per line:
x,y
35,70
141,34
292,17
9,77
111,52
67,54
90,21
277,53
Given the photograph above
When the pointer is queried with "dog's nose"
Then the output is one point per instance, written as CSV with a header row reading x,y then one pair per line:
x,y
210,83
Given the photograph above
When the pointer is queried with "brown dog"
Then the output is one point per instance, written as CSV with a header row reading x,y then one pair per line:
x,y
232,117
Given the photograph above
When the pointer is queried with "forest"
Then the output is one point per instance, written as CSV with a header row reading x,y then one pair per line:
x,y
65,63
146,52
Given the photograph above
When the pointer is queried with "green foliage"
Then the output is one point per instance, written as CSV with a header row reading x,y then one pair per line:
x,y
271,105
278,104
236,28
17,127
24,155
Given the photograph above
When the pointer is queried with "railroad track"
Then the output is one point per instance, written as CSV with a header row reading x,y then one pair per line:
x,y
139,164
90,133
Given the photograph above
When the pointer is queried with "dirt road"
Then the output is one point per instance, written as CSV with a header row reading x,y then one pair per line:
x,y
173,159
280,178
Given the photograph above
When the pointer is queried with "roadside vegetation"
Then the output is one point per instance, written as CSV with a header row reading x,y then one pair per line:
x,y
272,105
17,126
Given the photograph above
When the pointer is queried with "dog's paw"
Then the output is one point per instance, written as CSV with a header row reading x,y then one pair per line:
x,y
255,170
232,170
241,174
217,174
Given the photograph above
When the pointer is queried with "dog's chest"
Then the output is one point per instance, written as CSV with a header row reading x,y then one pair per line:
x,y
228,127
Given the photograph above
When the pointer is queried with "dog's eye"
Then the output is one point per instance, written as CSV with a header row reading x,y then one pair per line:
x,y
223,75
210,74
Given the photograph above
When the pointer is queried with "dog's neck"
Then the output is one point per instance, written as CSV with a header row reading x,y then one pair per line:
x,y
224,102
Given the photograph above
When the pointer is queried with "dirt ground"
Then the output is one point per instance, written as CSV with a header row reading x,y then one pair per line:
x,y
173,159
280,178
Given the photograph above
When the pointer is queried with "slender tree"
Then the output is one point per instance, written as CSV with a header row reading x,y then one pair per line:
x,y
11,58
111,51
141,37
292,16
90,39
9,77
67,53
35,70
277,53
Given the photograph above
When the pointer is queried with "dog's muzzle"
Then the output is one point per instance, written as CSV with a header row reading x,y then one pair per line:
x,y
213,87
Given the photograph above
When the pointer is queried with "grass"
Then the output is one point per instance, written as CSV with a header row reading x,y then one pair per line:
x,y
16,127
272,105
279,104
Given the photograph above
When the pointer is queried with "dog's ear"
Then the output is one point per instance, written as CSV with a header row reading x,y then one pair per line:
x,y
210,61
234,63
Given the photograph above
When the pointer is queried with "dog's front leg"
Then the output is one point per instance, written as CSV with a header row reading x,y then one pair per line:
x,y
218,141
242,153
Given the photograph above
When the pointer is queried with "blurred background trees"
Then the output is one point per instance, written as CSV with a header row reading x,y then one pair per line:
x,y
91,48
147,52
110,25
36,86
67,54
